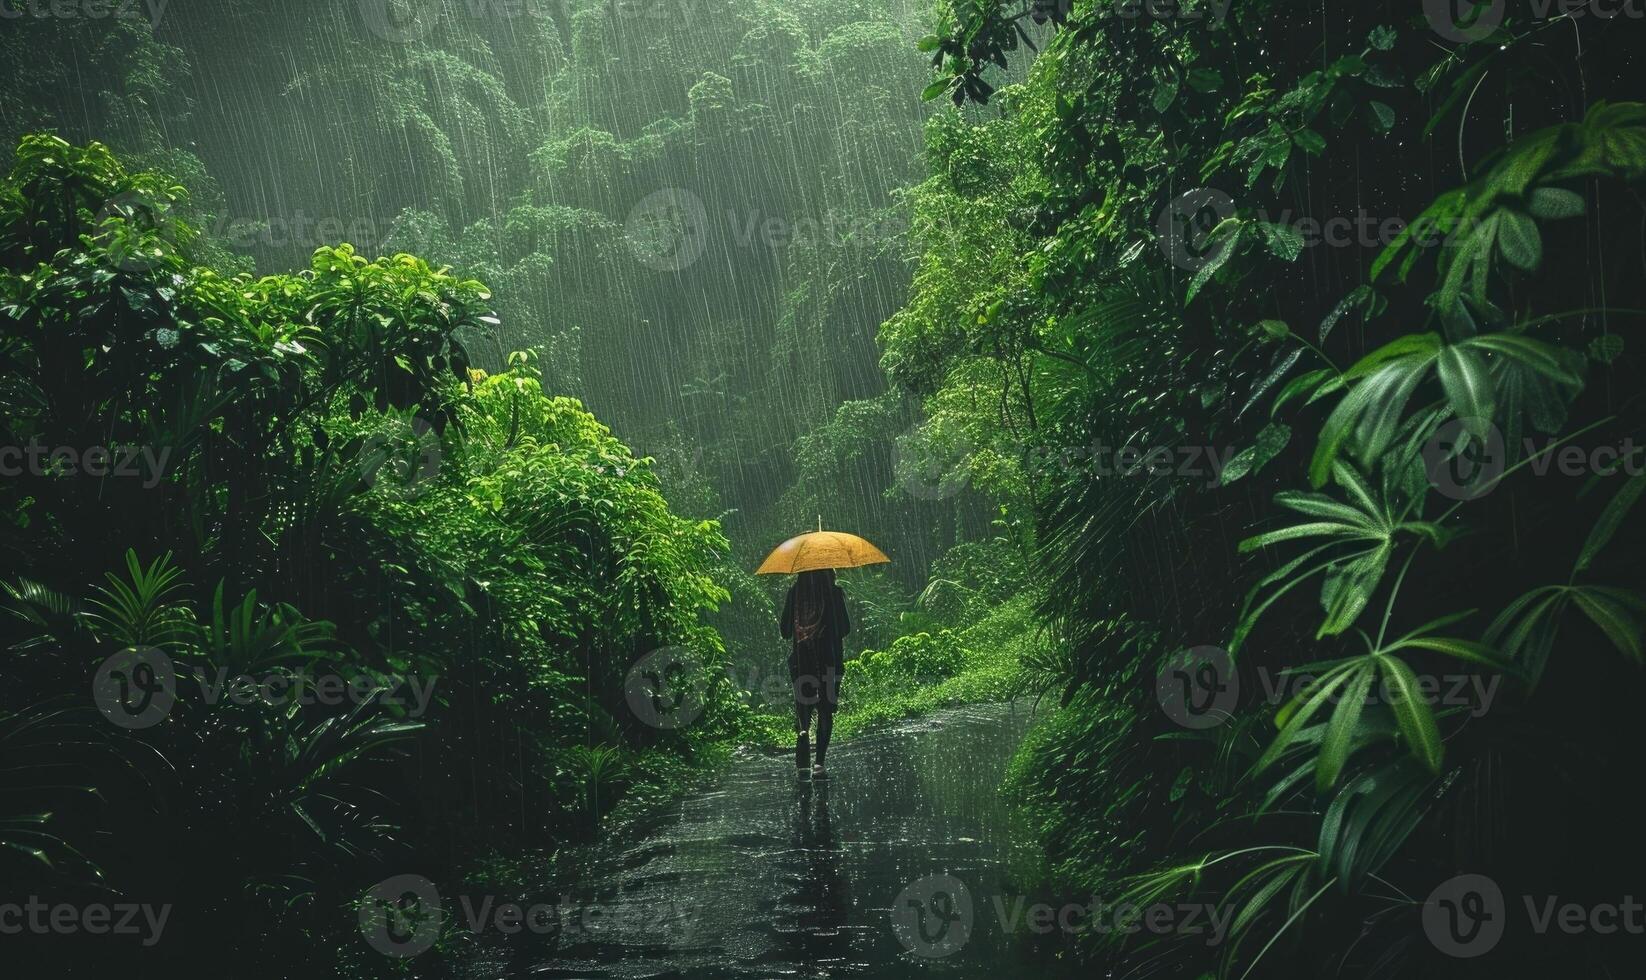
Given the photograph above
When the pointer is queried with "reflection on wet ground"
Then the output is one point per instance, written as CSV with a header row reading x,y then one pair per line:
x,y
767,875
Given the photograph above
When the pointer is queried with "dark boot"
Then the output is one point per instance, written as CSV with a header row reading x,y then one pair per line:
x,y
802,752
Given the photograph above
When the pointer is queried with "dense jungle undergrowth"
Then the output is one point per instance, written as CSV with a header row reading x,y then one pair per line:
x,y
1386,263
1255,386
340,473
302,479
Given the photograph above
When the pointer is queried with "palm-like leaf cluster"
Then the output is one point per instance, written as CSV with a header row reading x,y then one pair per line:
x,y
1403,659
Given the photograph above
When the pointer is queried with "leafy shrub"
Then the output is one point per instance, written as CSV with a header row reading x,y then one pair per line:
x,y
919,657
331,487
1065,308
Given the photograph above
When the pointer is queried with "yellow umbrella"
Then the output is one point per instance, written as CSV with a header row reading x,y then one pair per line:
x,y
820,549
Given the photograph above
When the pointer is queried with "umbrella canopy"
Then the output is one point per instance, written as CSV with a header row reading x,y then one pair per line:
x,y
820,549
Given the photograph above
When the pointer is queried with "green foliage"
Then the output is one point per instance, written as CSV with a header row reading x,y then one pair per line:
x,y
560,152
912,658
1088,804
1047,321
327,489
336,484
979,660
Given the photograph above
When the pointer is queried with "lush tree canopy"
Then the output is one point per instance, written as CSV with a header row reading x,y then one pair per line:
x,y
1250,383
1281,313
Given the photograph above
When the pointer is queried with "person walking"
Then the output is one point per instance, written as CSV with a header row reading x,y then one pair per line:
x,y
814,617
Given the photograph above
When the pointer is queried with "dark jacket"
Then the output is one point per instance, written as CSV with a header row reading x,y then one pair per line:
x,y
825,651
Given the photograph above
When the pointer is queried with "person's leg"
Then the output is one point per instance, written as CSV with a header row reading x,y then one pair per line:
x,y
803,721
828,700
825,727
